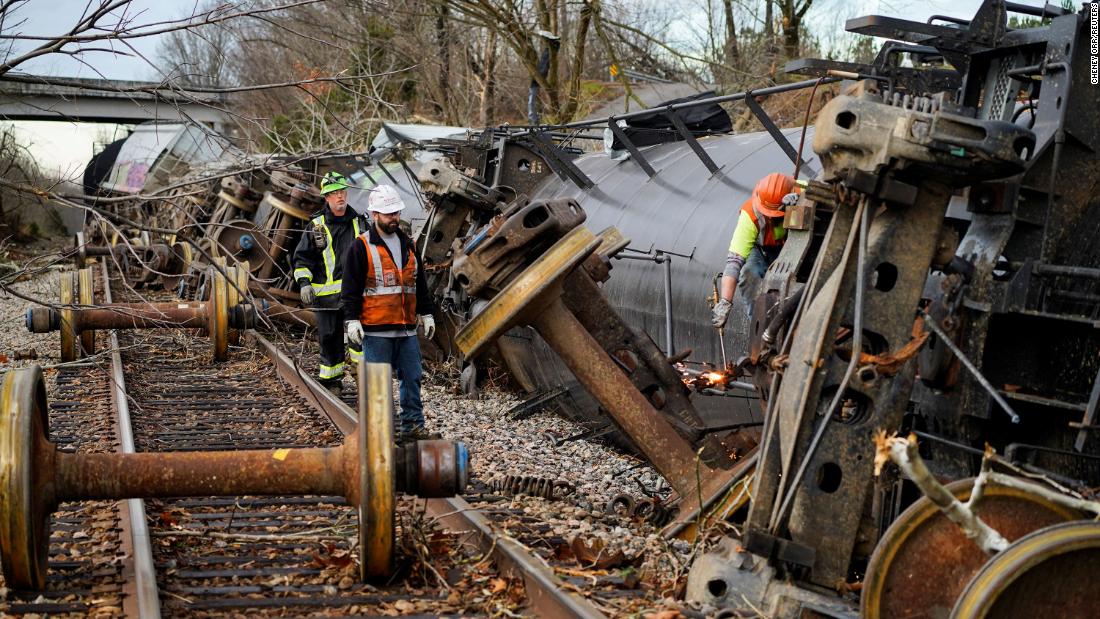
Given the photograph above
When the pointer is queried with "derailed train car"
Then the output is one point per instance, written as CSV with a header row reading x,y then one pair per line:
x,y
940,278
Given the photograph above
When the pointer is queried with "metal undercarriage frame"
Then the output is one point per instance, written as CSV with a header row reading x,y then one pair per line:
x,y
817,510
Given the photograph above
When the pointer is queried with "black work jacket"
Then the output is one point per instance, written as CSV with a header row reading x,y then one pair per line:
x,y
306,256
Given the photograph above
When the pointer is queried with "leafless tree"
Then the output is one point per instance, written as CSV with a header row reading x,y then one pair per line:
x,y
206,39
16,166
792,12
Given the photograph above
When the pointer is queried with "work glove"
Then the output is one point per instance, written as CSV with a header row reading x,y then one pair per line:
x,y
427,321
306,290
721,313
790,200
354,329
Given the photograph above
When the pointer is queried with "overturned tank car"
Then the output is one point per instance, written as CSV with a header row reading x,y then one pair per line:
x,y
939,283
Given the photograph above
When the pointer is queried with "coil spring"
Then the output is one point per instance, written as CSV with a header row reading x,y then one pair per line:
x,y
550,489
646,509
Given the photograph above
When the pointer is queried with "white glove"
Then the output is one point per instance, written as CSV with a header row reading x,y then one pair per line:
x,y
790,199
427,321
309,295
354,329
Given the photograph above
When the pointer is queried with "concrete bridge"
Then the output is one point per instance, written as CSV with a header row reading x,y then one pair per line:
x,y
31,97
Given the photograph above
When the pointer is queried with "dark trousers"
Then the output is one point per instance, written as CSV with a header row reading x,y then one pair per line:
x,y
330,335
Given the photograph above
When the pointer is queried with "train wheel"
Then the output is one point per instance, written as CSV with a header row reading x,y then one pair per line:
x,y
69,287
179,265
924,560
233,298
86,297
286,207
1052,570
377,480
24,515
218,316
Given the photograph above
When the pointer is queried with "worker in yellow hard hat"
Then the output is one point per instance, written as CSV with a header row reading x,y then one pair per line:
x,y
317,263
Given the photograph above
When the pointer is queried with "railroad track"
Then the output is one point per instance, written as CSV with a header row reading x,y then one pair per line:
x,y
528,547
157,391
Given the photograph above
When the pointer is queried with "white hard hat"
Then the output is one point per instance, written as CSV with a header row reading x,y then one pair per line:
x,y
384,199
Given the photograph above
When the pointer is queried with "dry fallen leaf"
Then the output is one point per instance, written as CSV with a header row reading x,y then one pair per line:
x,y
594,555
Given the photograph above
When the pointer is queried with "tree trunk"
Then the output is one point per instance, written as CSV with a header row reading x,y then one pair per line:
x,y
769,22
443,45
791,36
547,16
488,82
731,54
577,68
793,12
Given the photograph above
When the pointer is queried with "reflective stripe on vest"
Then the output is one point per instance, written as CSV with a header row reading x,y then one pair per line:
x,y
330,286
389,293
380,287
768,238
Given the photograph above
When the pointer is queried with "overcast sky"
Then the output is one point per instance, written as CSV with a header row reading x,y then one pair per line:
x,y
68,146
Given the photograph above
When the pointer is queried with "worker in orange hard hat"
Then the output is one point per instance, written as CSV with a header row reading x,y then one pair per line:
x,y
758,237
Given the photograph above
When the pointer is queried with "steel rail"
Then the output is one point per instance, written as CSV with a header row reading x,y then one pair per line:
x,y
342,416
140,595
544,592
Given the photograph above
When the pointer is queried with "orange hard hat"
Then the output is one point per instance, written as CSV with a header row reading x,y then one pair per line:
x,y
768,194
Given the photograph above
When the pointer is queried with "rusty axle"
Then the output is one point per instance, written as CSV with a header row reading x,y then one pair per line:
x,y
280,472
137,316
367,470
222,315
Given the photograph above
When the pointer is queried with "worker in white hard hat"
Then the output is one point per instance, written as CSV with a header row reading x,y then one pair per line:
x,y
384,297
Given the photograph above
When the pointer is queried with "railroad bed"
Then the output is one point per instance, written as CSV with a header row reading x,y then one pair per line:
x,y
637,570
227,556
279,555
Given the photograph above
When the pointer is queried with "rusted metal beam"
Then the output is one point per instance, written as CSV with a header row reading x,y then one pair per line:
x,y
534,297
655,437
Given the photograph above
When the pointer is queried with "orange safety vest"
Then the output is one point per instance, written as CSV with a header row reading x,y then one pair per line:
x,y
389,296
769,239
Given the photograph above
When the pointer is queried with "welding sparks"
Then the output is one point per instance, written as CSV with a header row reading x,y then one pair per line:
x,y
703,379
715,378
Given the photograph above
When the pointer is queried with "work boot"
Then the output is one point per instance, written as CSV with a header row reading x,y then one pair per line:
x,y
334,387
418,433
